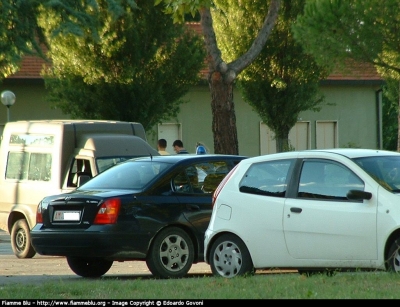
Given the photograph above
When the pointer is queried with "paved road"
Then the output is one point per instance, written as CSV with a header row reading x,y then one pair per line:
x,y
45,268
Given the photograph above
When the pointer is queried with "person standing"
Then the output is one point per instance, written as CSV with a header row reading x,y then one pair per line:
x,y
161,146
178,147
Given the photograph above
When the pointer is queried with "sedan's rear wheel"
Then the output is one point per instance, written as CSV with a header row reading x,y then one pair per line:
x,y
171,254
21,240
230,257
89,267
393,260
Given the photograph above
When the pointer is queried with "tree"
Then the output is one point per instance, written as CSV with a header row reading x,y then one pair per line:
x,y
390,105
21,35
283,80
137,69
222,75
362,30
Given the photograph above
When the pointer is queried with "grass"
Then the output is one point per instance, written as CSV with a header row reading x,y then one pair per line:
x,y
349,285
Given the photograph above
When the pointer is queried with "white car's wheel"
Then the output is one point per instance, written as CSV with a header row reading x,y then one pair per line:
x,y
230,257
393,259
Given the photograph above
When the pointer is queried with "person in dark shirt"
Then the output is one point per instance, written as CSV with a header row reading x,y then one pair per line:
x,y
178,147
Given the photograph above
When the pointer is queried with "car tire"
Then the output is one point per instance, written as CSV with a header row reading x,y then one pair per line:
x,y
89,267
393,260
229,257
21,240
171,254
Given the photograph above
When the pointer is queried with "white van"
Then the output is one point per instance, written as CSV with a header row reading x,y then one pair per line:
x,y
44,157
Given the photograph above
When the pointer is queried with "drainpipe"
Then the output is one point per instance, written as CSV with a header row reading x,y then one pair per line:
x,y
380,133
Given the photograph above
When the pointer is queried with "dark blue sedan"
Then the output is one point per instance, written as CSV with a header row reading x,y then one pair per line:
x,y
153,209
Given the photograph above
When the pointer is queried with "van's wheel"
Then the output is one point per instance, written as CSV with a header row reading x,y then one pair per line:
x,y
89,267
21,240
171,254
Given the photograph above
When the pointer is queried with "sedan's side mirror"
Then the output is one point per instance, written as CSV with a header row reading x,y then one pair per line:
x,y
358,195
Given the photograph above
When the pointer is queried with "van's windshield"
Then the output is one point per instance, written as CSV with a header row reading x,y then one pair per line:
x,y
104,163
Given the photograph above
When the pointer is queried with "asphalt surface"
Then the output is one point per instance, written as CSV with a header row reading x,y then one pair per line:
x,y
44,268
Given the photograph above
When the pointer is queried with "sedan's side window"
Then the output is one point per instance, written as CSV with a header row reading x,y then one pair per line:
x,y
189,181
181,183
266,178
200,178
324,179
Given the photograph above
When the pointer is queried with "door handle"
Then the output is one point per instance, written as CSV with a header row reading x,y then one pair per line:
x,y
193,207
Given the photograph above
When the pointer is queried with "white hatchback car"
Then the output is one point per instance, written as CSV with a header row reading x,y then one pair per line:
x,y
313,210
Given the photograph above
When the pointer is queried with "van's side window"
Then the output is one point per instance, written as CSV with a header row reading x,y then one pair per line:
x,y
29,166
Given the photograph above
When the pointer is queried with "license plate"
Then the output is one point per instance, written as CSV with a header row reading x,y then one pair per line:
x,y
66,216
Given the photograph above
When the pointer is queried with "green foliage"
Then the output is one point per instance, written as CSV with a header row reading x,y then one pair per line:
x,y
180,8
137,70
283,80
390,110
19,33
364,30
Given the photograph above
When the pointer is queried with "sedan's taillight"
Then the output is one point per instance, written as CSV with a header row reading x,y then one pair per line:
x,y
221,185
39,216
108,212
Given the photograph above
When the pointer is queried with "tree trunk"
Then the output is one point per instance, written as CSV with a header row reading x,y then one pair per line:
x,y
224,117
398,123
221,78
282,139
282,144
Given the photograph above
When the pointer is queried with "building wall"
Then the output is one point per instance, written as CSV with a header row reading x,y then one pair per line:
x,y
354,108
29,103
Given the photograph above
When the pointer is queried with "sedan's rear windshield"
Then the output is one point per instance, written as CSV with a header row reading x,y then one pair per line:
x,y
127,175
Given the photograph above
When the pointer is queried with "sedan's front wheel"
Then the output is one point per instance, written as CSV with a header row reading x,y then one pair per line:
x,y
89,267
171,254
230,257
393,259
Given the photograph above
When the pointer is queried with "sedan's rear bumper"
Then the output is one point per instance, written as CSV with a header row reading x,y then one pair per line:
x,y
89,243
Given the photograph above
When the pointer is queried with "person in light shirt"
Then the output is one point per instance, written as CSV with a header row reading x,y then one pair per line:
x,y
161,146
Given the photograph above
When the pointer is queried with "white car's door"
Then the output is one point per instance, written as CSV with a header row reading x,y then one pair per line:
x,y
321,224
